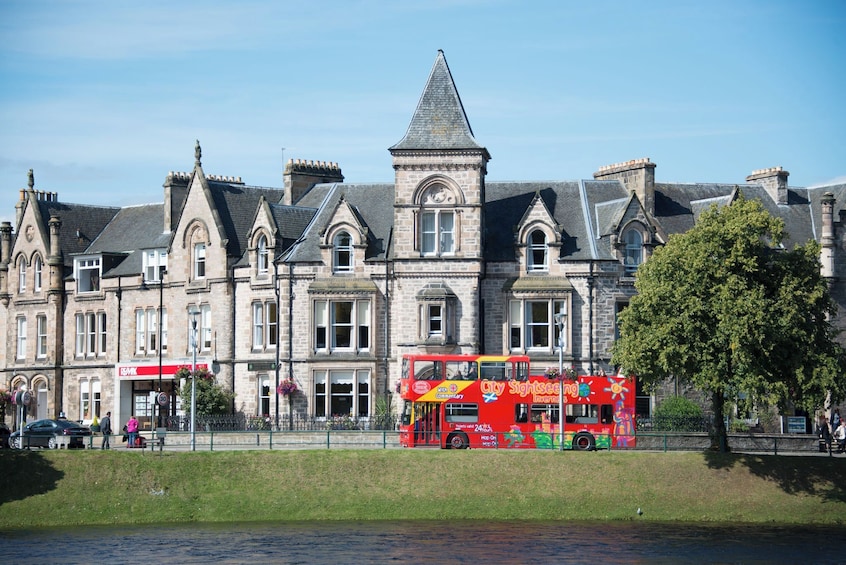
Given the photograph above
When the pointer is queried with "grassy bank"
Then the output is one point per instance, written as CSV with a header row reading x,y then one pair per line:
x,y
46,488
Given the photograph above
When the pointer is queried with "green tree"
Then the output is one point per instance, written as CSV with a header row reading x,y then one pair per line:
x,y
724,308
212,398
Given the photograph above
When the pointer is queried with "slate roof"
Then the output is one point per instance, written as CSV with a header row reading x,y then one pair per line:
x,y
88,220
439,122
236,205
131,230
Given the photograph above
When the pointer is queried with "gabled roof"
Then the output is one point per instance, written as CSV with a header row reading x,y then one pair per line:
x,y
87,221
439,122
374,205
236,206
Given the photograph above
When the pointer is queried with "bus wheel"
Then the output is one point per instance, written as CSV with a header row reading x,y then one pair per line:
x,y
458,441
584,442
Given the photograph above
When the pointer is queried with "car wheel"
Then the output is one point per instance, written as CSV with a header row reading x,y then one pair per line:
x,y
16,443
51,443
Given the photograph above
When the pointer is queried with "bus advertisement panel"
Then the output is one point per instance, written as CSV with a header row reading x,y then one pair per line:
x,y
502,406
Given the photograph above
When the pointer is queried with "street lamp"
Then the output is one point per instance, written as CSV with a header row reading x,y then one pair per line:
x,y
193,312
561,321
162,272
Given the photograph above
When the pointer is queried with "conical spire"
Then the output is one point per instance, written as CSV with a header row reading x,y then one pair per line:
x,y
439,121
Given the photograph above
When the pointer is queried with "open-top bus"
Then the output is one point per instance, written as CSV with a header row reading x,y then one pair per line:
x,y
461,401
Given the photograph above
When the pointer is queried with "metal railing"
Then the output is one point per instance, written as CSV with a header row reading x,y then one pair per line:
x,y
240,422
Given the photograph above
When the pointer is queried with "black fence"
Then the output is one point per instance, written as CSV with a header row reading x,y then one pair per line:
x,y
676,424
240,422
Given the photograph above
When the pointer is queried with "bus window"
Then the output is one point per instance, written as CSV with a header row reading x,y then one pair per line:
x,y
521,372
583,413
606,413
406,413
493,371
521,413
544,413
460,370
426,370
461,413
405,364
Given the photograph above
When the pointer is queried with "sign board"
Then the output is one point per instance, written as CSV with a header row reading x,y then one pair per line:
x,y
796,424
146,372
261,366
162,399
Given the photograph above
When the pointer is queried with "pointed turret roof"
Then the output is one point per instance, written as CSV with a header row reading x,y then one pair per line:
x,y
439,121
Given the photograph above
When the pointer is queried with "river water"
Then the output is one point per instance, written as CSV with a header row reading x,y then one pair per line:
x,y
426,542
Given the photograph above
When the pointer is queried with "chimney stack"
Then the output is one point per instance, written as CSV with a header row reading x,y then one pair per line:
x,y
300,175
638,176
774,181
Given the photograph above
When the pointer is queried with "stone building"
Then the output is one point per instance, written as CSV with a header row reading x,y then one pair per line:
x,y
328,283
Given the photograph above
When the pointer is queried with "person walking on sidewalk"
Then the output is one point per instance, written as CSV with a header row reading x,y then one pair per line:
x,y
132,431
106,428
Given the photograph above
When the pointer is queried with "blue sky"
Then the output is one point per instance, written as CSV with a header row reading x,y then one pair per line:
x,y
102,99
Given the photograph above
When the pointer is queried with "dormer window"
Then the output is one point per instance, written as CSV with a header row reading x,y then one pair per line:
x,y
263,262
155,264
538,252
342,253
634,250
88,272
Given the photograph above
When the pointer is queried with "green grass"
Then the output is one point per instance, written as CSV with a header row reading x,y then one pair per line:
x,y
47,488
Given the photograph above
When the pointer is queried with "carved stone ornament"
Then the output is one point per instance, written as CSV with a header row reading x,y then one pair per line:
x,y
29,232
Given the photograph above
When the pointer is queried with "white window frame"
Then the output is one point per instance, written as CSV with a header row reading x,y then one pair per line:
x,y
205,333
342,253
38,269
87,272
265,324
262,258
633,254
265,389
437,232
102,333
535,317
199,260
342,393
537,252
329,328
155,264
20,352
22,276
41,336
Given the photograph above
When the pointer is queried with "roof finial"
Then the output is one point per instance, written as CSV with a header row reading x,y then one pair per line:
x,y
197,153
31,179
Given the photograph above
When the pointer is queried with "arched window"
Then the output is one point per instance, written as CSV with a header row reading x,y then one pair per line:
x,y
342,247
263,262
199,260
37,269
538,252
22,276
634,250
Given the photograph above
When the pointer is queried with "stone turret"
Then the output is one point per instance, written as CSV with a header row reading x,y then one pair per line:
x,y
300,175
638,176
774,180
827,236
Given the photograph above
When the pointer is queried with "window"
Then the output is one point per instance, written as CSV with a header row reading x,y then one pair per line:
x,y
95,398
41,339
263,262
436,314
147,331
84,399
634,250
436,321
264,325
37,270
199,260
88,274
22,277
264,395
348,393
538,252
532,324
461,412
545,413
205,328
342,246
90,334
155,264
437,232
21,350
342,325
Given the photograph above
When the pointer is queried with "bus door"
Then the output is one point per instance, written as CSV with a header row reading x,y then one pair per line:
x,y
427,423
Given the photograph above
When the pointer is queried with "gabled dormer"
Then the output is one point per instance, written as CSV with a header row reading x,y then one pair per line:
x,y
536,237
633,232
344,240
263,242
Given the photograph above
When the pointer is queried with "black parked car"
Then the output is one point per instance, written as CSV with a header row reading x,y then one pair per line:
x,y
50,433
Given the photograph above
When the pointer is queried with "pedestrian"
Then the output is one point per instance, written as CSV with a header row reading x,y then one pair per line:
x,y
840,436
835,419
132,431
106,428
824,434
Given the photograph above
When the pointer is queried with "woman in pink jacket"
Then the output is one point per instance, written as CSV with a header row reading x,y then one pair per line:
x,y
131,431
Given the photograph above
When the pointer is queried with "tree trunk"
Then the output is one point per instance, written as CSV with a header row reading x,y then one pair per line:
x,y
719,439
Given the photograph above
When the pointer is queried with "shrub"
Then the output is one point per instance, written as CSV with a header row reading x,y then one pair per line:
x,y
677,414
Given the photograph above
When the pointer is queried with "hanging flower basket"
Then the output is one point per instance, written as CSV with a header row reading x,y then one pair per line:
x,y
551,373
569,374
287,387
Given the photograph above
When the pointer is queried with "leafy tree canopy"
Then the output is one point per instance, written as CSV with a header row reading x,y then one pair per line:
x,y
725,308
211,398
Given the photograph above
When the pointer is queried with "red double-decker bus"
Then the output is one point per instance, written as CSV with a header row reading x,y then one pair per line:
x,y
461,401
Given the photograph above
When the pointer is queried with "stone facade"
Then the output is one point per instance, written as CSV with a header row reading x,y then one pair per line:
x,y
329,283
